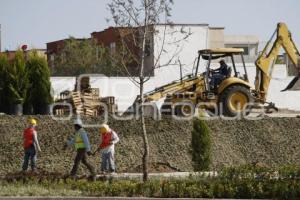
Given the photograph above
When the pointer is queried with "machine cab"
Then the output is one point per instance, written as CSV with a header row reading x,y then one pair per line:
x,y
215,60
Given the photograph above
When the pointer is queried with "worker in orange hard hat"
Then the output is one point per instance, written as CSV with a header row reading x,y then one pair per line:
x,y
31,145
107,147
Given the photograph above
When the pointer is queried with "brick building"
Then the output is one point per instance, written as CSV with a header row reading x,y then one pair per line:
x,y
167,35
116,38
54,48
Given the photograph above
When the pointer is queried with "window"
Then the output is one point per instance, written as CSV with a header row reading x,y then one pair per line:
x,y
51,57
246,50
148,48
112,47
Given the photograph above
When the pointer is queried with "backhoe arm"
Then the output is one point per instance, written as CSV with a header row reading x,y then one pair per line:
x,y
266,60
177,86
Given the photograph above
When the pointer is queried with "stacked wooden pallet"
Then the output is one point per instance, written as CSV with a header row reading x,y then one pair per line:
x,y
111,104
76,99
90,104
86,102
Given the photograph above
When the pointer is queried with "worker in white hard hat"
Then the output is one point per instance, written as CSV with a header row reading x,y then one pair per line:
x,y
30,145
82,146
107,147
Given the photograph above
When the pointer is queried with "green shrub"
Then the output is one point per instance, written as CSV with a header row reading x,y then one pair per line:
x,y
4,67
39,96
17,79
201,145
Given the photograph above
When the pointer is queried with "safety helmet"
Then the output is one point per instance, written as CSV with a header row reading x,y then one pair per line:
x,y
104,128
32,121
78,122
222,61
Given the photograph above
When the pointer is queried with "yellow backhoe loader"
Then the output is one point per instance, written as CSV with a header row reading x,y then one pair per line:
x,y
233,94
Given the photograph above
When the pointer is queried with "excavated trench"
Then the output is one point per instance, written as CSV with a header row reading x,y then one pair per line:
x,y
271,142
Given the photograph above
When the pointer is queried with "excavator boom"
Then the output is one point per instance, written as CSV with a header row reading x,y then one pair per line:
x,y
266,60
171,88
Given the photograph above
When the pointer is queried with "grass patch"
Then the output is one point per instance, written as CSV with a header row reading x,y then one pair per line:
x,y
238,182
35,189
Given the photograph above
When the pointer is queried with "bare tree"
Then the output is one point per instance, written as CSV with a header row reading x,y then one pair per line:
x,y
135,22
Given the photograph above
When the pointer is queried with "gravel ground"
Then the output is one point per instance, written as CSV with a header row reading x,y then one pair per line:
x,y
270,142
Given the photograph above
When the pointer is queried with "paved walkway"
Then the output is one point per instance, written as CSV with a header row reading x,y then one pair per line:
x,y
94,198
139,176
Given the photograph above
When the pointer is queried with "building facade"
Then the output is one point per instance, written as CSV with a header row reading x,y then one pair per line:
x,y
168,44
247,42
55,48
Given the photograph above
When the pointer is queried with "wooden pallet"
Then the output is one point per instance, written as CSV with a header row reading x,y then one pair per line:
x,y
108,100
76,98
90,112
112,108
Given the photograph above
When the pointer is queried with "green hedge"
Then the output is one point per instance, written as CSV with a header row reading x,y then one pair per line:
x,y
39,96
25,81
238,182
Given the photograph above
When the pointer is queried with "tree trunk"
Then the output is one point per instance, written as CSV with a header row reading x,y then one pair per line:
x,y
142,81
145,137
17,109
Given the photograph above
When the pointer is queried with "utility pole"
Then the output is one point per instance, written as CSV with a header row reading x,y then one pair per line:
x,y
0,39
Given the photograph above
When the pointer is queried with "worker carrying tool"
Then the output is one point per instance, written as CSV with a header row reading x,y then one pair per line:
x,y
31,145
82,145
107,147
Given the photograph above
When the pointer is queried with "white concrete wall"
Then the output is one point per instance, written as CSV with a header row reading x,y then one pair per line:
x,y
288,99
125,91
216,37
186,51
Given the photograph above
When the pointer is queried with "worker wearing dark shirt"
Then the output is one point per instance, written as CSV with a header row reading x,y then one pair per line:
x,y
219,74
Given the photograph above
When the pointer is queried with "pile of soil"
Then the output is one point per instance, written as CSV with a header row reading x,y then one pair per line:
x,y
271,142
169,143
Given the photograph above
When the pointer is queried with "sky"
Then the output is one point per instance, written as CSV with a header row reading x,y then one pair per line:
x,y
36,22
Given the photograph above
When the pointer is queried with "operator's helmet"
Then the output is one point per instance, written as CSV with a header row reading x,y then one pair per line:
x,y
222,61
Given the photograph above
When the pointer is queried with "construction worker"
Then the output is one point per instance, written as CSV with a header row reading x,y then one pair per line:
x,y
219,74
31,145
107,147
82,146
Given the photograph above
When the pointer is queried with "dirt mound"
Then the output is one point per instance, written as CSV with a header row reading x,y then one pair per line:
x,y
272,142
169,143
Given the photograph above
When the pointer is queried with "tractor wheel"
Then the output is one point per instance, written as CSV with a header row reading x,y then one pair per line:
x,y
235,100
185,110
166,109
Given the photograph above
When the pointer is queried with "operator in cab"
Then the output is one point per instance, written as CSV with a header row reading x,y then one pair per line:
x,y
218,75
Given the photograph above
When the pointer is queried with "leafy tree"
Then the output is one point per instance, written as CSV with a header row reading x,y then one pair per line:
x,y
201,145
137,20
39,96
4,66
17,79
83,56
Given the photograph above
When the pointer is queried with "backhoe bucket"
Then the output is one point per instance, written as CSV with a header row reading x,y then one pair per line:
x,y
294,85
